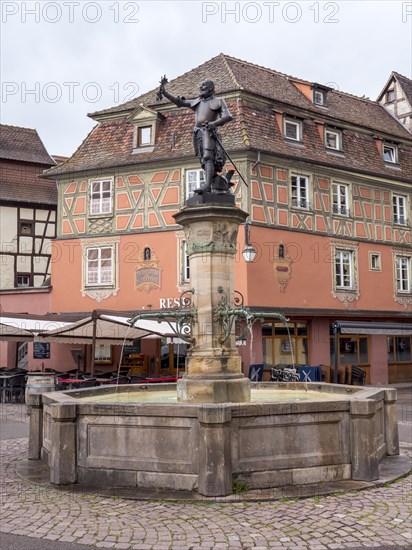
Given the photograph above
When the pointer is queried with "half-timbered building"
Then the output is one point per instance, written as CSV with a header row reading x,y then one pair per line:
x,y
396,97
28,204
329,196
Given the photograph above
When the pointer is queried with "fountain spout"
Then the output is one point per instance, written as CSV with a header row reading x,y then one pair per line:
x,y
184,315
227,315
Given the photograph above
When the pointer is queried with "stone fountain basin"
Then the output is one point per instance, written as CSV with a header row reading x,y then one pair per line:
x,y
136,436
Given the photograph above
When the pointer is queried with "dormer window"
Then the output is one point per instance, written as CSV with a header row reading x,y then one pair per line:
x,y
390,153
145,122
333,139
144,135
318,97
292,129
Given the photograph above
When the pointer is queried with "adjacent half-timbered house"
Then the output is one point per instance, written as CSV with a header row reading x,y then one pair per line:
x,y
28,204
396,97
329,196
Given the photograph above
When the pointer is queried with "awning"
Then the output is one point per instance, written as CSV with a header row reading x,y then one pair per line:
x,y
81,332
387,329
162,329
109,329
26,328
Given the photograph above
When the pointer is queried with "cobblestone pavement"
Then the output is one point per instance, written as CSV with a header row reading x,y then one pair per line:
x,y
374,518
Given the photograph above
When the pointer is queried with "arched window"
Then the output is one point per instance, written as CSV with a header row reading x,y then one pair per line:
x,y
147,253
281,251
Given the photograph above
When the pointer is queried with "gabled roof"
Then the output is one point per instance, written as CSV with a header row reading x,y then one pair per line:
x,y
23,144
257,91
24,159
231,74
406,85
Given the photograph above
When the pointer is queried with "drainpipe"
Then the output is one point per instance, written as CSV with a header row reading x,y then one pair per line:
x,y
94,317
335,350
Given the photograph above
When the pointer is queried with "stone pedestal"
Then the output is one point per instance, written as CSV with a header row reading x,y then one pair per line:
x,y
63,436
35,411
364,437
214,373
391,422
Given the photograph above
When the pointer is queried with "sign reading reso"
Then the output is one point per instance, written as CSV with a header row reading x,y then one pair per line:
x,y
169,303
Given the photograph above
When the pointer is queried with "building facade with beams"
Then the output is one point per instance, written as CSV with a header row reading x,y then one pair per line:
x,y
396,97
329,197
28,205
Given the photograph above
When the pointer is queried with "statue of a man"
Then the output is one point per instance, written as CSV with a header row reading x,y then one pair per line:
x,y
210,113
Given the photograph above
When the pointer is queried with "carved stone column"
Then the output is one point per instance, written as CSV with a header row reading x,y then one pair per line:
x,y
214,373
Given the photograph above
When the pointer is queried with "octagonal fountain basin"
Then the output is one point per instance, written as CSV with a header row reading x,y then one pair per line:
x,y
139,436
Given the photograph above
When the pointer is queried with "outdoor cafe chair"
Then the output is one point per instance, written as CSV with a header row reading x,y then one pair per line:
x,y
15,387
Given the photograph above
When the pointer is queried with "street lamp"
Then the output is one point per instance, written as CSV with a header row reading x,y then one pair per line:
x,y
249,253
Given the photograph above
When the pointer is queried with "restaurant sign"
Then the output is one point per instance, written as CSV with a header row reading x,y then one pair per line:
x,y
147,272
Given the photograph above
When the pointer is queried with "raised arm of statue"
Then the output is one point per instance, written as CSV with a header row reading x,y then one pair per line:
x,y
179,101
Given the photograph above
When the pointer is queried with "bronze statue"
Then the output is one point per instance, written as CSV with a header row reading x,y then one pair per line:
x,y
210,113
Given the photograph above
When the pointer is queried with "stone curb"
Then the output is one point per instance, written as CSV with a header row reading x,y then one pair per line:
x,y
390,469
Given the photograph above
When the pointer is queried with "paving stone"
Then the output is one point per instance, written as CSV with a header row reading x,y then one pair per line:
x,y
375,518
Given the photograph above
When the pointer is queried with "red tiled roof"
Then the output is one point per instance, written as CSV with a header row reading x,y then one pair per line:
x,y
23,158
21,182
23,144
110,142
230,74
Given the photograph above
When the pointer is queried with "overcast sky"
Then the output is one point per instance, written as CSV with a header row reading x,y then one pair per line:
x,y
63,59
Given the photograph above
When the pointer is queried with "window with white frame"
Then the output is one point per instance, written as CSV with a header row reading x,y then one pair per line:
x,y
101,197
144,136
344,269
399,209
340,198
300,191
292,129
194,180
375,261
333,139
403,273
390,153
100,266
185,265
24,279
